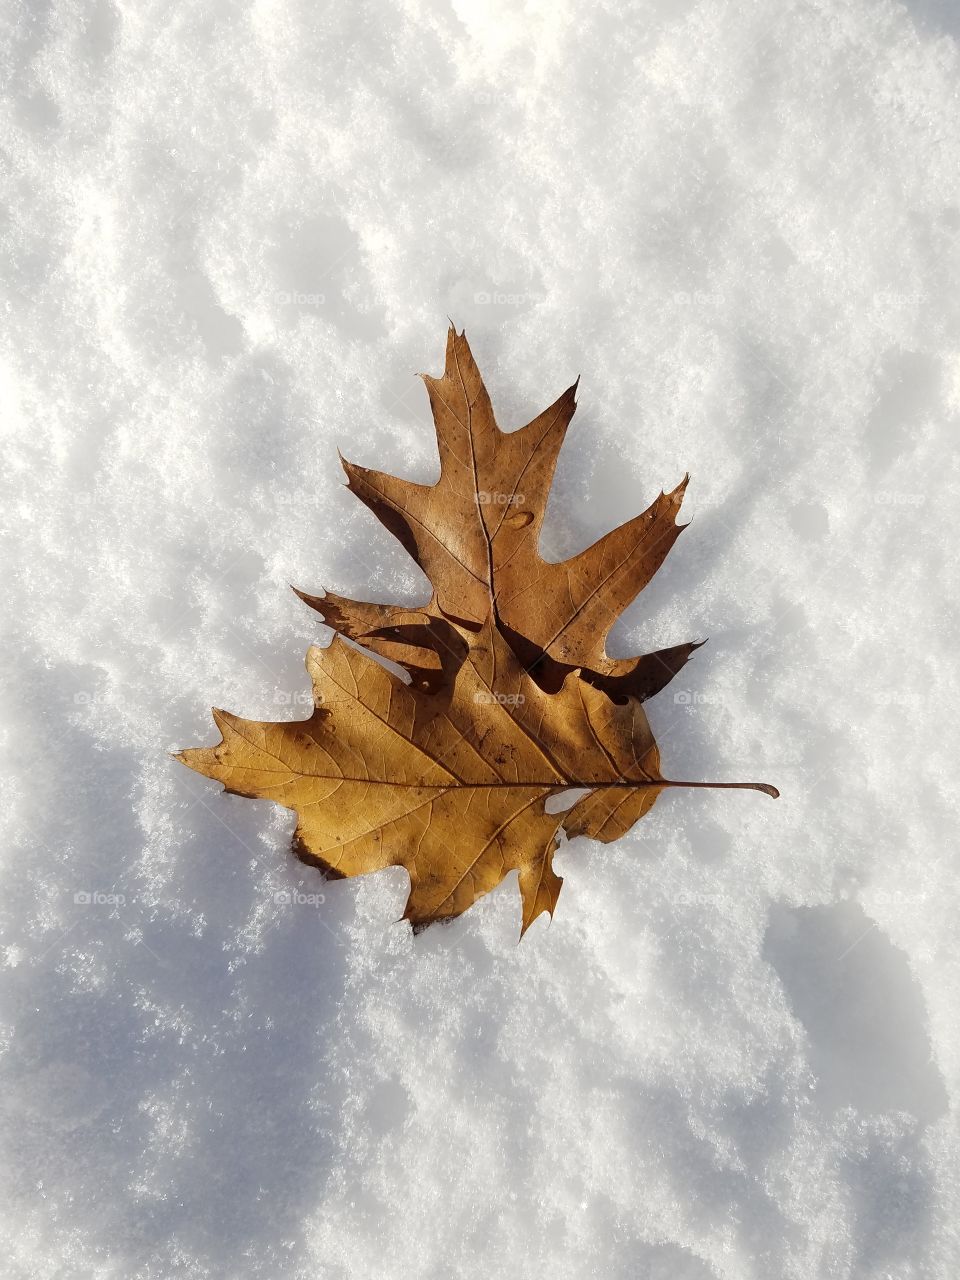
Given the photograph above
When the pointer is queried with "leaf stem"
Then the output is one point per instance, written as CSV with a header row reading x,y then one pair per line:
x,y
599,784
765,787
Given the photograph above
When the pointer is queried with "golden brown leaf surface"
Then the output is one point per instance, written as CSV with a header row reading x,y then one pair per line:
x,y
512,698
449,785
475,533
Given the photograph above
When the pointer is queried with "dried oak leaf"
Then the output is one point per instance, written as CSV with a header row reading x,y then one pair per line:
x,y
450,785
475,533
449,776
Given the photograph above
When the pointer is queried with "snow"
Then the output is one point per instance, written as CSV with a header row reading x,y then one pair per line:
x,y
231,235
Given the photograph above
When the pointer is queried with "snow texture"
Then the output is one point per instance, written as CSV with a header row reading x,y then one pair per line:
x,y
231,235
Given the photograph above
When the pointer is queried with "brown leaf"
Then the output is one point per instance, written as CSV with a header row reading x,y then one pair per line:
x,y
450,785
475,533
512,698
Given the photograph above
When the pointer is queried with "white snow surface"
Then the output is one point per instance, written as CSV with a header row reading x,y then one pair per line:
x,y
231,236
